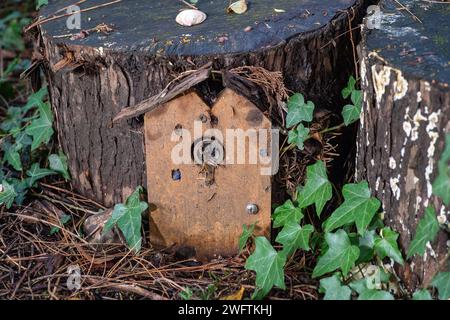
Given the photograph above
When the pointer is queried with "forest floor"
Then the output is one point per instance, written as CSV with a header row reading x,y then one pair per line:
x,y
39,256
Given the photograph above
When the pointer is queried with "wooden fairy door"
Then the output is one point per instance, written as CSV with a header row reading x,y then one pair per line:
x,y
204,183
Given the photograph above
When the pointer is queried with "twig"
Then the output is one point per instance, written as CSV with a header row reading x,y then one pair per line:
x,y
190,5
407,10
67,7
44,222
132,288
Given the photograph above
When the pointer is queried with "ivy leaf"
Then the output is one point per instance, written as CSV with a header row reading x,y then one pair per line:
x,y
442,283
371,294
41,3
351,113
63,220
23,139
334,290
58,163
12,155
186,294
356,98
294,237
368,239
268,265
37,98
422,295
427,230
358,207
13,120
128,218
347,91
441,186
21,188
285,213
7,194
298,136
317,189
365,292
36,173
298,110
341,254
359,285
41,128
386,245
247,232
366,244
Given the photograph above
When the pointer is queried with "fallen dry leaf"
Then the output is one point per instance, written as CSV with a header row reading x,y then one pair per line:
x,y
238,7
238,295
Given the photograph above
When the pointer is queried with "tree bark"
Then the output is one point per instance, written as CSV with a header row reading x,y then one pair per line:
x,y
405,118
91,80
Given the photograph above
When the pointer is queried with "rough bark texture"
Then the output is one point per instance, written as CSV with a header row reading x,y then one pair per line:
x,y
90,83
406,115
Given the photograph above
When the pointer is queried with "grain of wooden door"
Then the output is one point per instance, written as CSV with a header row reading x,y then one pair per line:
x,y
202,206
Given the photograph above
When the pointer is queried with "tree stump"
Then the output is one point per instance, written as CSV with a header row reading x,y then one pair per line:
x,y
406,112
92,79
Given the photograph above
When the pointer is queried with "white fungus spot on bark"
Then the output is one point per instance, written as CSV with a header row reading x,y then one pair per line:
x,y
380,80
419,96
363,72
430,249
442,217
433,120
392,163
407,128
418,201
402,224
393,182
400,86
418,117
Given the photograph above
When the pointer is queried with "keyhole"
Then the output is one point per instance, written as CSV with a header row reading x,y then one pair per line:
x,y
207,150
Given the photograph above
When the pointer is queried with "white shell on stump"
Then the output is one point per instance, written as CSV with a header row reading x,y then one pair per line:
x,y
190,17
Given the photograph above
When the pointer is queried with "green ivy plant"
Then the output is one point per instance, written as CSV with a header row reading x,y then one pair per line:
x,y
351,112
128,218
353,234
41,3
299,112
429,227
25,134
